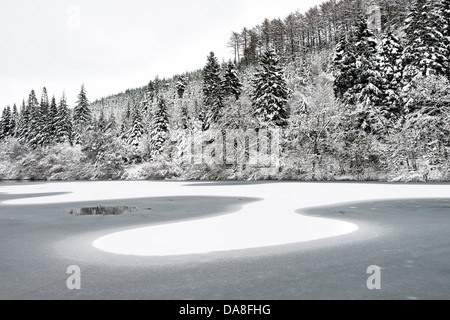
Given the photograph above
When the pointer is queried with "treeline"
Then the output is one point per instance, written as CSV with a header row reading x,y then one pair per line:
x,y
350,103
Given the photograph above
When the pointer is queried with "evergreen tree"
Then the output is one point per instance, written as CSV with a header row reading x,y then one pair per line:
x,y
366,88
390,54
151,91
33,130
344,66
134,135
52,120
425,49
82,116
63,123
147,100
271,93
102,123
212,92
5,123
181,86
444,8
358,80
14,121
24,123
40,121
2,136
160,128
112,122
231,85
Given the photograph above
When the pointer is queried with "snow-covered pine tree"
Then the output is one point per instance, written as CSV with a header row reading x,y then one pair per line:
x,y
43,134
5,123
2,136
63,124
160,128
112,122
52,119
134,135
390,53
425,48
212,93
14,121
102,123
358,80
82,116
271,92
32,132
231,85
181,86
444,6
366,88
23,123
147,100
343,68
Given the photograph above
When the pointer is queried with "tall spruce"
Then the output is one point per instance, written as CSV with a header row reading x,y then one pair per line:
x,y
134,135
444,8
231,85
5,123
271,92
23,124
63,124
160,128
52,120
425,49
32,132
212,93
390,53
181,86
14,120
82,116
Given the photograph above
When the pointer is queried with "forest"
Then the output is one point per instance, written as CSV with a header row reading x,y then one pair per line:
x,y
349,90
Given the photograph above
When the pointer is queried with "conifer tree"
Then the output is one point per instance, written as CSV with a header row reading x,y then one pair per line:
x,y
63,123
231,85
271,93
134,135
390,53
52,121
212,93
14,121
444,9
23,124
344,66
181,86
425,49
33,128
5,123
102,123
160,128
82,116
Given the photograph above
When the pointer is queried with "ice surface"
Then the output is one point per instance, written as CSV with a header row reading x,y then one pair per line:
x,y
269,222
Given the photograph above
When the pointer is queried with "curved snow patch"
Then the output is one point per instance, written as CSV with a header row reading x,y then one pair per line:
x,y
237,231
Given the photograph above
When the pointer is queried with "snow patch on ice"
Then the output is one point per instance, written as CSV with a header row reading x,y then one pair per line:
x,y
270,222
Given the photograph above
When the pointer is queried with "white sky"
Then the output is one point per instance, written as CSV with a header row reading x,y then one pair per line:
x,y
111,46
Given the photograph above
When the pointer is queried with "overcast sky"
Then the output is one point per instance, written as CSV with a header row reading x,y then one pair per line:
x,y
111,46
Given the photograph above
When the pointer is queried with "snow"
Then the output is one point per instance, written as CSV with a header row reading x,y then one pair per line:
x,y
269,222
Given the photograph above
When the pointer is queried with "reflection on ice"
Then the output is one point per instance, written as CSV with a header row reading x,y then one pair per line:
x,y
102,211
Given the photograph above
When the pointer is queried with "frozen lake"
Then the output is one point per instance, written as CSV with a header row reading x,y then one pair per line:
x,y
211,224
